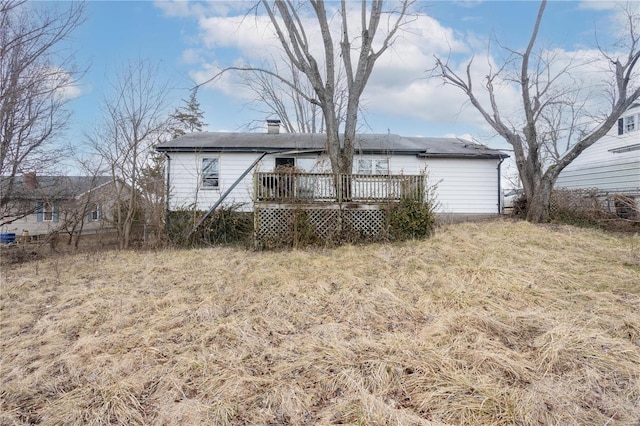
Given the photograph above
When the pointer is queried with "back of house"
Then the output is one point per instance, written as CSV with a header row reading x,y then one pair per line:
x,y
203,167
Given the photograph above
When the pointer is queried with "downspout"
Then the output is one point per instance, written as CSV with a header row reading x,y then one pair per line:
x,y
166,195
500,186
226,193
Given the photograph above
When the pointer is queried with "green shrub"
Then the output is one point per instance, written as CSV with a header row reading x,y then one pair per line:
x,y
410,219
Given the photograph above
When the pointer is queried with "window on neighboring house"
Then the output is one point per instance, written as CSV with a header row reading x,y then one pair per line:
x,y
46,212
95,213
373,166
210,172
630,123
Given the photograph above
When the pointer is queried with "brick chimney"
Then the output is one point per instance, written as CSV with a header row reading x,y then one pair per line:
x,y
273,126
30,181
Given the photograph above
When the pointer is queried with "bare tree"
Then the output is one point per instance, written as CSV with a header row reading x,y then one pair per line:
x,y
286,19
35,73
135,119
556,122
296,114
74,212
353,56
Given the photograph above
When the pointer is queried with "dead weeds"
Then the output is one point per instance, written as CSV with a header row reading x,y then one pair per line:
x,y
492,323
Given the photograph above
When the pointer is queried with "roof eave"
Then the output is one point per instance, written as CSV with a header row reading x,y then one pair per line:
x,y
377,151
480,156
218,149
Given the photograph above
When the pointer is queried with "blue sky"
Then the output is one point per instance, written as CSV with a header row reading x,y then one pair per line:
x,y
191,40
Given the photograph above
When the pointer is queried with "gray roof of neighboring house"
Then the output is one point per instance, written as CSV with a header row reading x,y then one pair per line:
x,y
365,143
33,187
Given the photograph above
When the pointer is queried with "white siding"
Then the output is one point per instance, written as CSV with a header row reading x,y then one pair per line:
x,y
623,175
185,182
398,164
30,224
599,166
465,186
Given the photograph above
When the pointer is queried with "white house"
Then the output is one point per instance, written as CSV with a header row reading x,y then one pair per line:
x,y
612,164
202,167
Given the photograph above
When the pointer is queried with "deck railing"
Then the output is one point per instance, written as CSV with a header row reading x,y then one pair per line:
x,y
294,187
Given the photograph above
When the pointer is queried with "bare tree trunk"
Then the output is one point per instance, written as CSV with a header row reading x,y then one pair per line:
x,y
285,17
537,137
538,206
136,120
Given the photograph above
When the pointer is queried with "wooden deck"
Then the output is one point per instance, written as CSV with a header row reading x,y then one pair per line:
x,y
322,188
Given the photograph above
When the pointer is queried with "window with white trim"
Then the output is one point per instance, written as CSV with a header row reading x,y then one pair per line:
x,y
630,123
370,166
210,172
46,212
95,213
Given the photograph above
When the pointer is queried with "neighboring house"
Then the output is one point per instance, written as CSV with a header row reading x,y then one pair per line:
x,y
612,164
40,205
201,167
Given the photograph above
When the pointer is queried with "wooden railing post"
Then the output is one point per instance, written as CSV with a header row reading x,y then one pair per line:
x,y
337,187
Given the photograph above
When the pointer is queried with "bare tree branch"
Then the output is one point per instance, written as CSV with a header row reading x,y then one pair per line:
x,y
554,108
34,74
135,119
325,71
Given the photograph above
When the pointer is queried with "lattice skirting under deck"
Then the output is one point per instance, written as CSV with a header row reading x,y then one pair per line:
x,y
286,225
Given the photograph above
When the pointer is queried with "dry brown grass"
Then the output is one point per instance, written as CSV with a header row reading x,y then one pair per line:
x,y
492,323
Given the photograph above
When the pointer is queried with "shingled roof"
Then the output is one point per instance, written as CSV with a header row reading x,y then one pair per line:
x,y
365,144
32,187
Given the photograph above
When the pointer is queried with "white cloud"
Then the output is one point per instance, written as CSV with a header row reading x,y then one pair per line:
x,y
468,4
174,8
597,5
252,36
396,80
399,85
190,9
191,56
71,91
62,83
